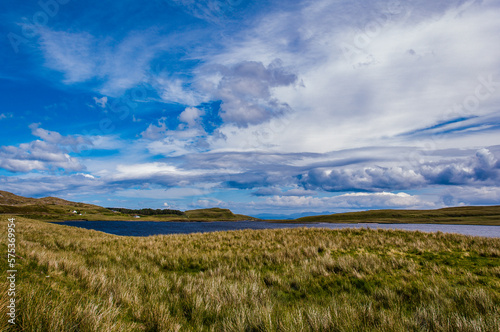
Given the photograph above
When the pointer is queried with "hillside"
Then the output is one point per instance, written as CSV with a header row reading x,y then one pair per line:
x,y
47,208
57,209
7,198
216,214
484,215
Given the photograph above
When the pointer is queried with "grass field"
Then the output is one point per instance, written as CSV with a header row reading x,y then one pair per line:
x,y
50,212
471,215
73,279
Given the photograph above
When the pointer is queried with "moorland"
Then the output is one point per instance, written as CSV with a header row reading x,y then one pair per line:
x,y
73,279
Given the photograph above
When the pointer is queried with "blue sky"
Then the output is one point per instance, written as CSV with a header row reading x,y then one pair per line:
x,y
282,107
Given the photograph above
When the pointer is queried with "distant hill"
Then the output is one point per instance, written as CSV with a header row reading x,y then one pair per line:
x,y
484,215
7,198
57,209
47,208
217,214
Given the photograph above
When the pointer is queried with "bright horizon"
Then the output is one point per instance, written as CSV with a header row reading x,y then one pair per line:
x,y
267,107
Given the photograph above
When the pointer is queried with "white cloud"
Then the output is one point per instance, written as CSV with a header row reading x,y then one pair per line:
x,y
71,53
245,89
156,132
348,201
75,142
208,202
101,102
471,196
188,137
209,10
146,170
168,193
82,57
88,176
5,116
481,168
33,184
50,153
341,107
191,116
175,90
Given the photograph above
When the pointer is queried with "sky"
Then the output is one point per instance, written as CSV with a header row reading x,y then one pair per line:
x,y
269,107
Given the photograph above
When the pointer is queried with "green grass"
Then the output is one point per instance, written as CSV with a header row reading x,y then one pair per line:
x,y
74,279
52,212
471,215
57,209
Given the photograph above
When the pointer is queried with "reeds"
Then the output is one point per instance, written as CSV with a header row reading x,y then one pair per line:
x,y
268,280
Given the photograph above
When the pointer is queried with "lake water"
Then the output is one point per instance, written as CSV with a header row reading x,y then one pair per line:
x,y
146,228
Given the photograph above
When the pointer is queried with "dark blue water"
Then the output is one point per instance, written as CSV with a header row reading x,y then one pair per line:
x,y
146,228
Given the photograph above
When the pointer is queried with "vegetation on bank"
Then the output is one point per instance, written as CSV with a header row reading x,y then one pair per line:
x,y
147,212
470,215
72,279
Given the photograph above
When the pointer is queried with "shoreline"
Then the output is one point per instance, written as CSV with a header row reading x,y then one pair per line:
x,y
292,222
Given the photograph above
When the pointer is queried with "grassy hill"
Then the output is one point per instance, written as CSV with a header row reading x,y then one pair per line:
x,y
7,198
47,208
484,215
216,214
57,209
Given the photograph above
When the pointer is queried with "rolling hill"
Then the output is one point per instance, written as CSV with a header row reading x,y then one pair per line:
x,y
57,209
484,215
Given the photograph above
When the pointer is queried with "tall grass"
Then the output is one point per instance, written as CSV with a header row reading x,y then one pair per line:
x,y
267,280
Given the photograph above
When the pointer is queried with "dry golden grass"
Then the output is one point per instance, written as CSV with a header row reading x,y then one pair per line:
x,y
268,280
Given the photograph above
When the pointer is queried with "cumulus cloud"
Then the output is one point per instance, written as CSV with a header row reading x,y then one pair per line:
x,y
156,131
37,155
275,191
245,91
189,136
169,193
481,168
461,195
368,179
71,141
50,153
176,90
349,201
45,185
191,116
